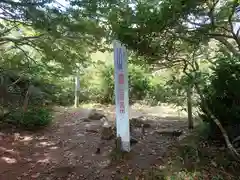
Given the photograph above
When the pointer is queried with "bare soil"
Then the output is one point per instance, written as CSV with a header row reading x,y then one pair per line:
x,y
65,150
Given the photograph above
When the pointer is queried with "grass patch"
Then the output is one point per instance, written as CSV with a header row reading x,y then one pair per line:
x,y
33,119
193,158
89,105
117,154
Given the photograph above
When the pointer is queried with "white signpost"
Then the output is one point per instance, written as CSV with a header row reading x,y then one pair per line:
x,y
77,91
121,94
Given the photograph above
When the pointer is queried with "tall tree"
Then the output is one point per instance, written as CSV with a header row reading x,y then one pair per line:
x,y
50,36
155,28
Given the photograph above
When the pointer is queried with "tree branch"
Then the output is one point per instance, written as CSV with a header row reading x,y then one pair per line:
x,y
238,31
211,11
24,4
235,4
7,30
228,45
216,121
19,40
26,55
219,35
13,20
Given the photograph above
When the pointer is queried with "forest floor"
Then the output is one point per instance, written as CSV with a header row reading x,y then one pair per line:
x,y
67,151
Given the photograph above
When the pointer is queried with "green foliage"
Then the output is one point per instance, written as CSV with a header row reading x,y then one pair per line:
x,y
171,90
195,158
222,96
203,130
34,118
160,30
61,92
156,93
139,82
106,94
102,89
97,84
117,154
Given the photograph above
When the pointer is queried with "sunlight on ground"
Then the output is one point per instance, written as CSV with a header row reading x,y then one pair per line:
x,y
44,161
164,110
10,152
42,138
53,147
168,111
184,175
90,105
9,160
104,164
45,144
26,139
35,175
70,124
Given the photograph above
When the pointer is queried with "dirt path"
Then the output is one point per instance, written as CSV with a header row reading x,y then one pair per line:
x,y
66,151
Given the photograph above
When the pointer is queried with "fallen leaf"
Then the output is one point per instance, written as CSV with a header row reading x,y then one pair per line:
x,y
35,175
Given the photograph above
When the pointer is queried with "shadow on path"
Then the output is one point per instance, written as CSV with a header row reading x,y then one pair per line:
x,y
66,150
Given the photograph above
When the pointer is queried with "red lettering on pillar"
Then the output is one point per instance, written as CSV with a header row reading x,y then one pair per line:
x,y
121,96
121,78
122,105
121,101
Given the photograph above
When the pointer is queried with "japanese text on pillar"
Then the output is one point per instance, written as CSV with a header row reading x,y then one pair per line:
x,y
120,57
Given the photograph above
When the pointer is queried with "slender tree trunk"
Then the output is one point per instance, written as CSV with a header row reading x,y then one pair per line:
x,y
26,100
77,91
189,107
2,101
27,96
233,151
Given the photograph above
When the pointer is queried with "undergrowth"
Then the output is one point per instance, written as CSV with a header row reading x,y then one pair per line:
x,y
32,119
194,158
117,154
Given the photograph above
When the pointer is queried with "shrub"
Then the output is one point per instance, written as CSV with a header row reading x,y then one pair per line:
x,y
107,85
222,97
156,93
138,80
33,118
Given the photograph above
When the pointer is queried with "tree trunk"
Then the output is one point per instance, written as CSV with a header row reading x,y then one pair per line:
x,y
230,147
77,91
189,107
26,98
25,103
233,151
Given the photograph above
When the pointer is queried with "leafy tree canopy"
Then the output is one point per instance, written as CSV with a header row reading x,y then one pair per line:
x,y
43,35
167,32
164,30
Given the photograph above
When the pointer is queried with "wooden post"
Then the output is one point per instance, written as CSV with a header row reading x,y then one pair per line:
x,y
189,107
77,91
